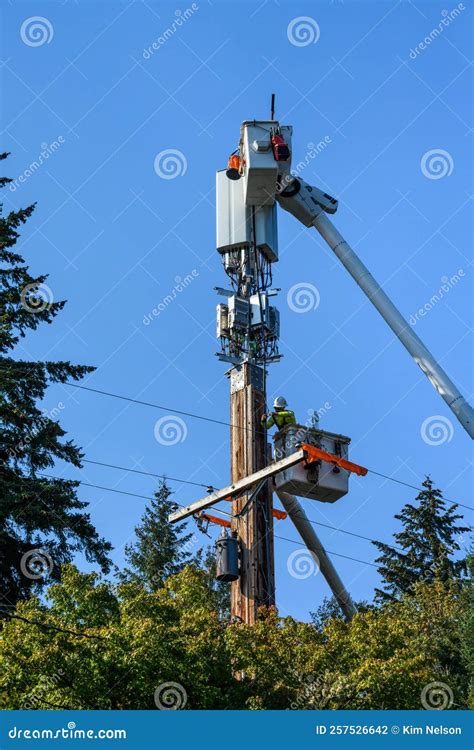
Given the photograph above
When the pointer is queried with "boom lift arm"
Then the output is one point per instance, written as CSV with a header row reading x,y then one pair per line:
x,y
311,206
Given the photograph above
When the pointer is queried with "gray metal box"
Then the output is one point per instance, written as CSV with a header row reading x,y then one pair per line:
x,y
273,322
231,215
222,322
260,168
320,481
234,220
238,312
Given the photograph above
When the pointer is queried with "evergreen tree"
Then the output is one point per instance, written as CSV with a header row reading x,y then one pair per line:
x,y
426,546
161,549
42,522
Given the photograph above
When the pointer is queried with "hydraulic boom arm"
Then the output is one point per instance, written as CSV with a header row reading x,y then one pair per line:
x,y
310,206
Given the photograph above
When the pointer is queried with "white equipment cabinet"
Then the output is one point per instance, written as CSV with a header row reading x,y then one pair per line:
x,y
235,220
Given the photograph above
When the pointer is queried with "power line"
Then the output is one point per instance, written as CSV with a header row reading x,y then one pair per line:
x,y
338,554
48,626
295,541
157,406
419,489
229,424
150,474
97,486
219,510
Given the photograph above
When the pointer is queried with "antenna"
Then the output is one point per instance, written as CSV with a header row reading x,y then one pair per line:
x,y
272,115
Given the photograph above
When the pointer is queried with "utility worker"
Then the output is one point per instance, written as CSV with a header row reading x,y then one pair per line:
x,y
280,416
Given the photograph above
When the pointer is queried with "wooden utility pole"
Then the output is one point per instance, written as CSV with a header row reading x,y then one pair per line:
x,y
254,525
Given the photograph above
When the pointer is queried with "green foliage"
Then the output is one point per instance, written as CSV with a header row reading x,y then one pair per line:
x,y
426,545
329,610
35,513
381,660
467,629
143,640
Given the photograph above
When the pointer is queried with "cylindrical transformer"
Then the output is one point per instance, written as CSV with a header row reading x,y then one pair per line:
x,y
227,558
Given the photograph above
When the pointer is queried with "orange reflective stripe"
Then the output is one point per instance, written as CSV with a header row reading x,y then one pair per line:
x,y
316,454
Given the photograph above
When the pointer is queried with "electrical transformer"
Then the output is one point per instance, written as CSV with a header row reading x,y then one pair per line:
x,y
227,558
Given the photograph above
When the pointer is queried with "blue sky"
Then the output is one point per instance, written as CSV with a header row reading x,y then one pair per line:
x,y
115,236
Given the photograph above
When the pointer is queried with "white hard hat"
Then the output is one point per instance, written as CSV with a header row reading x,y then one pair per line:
x,y
280,403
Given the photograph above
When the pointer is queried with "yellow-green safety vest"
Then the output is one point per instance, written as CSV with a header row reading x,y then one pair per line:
x,y
281,419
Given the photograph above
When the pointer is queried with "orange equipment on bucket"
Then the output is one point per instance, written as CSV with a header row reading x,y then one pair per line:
x,y
233,167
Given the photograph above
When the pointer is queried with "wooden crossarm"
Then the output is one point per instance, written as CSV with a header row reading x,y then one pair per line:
x,y
237,487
